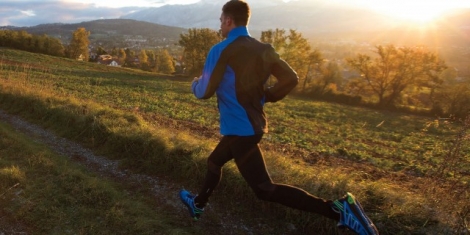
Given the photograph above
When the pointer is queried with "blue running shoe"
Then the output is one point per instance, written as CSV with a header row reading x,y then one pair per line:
x,y
188,201
353,217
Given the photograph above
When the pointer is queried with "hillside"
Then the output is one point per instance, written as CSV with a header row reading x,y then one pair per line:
x,y
153,125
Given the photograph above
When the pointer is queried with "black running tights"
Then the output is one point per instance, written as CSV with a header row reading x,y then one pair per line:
x,y
250,162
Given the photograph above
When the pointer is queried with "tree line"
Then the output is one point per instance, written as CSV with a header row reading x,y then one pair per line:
x,y
79,48
408,78
22,40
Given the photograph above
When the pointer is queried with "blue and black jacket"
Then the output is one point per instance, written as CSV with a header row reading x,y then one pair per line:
x,y
237,69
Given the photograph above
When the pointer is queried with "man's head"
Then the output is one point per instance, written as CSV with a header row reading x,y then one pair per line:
x,y
234,13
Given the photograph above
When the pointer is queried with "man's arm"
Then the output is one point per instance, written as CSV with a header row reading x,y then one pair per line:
x,y
287,79
200,84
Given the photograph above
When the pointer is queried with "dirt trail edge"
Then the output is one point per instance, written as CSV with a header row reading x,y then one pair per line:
x,y
163,189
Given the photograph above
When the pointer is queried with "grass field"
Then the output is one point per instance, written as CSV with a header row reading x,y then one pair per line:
x,y
49,194
411,172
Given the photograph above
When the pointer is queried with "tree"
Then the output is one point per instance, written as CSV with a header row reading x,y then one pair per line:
x,y
54,47
396,69
78,47
130,58
151,57
122,56
23,41
278,40
143,60
114,51
156,65
357,87
165,63
330,74
101,51
38,44
275,37
4,39
196,44
296,51
314,64
452,99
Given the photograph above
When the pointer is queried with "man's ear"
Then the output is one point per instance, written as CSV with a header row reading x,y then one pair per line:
x,y
230,21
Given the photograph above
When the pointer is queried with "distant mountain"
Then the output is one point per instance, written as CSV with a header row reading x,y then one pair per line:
x,y
308,16
316,18
110,30
203,14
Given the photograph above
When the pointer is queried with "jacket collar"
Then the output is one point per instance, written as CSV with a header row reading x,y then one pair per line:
x,y
238,31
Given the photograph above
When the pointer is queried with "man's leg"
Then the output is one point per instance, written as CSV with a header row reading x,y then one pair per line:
x,y
251,165
215,162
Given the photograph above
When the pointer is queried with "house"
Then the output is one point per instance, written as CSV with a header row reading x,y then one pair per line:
x,y
80,57
108,60
105,57
114,63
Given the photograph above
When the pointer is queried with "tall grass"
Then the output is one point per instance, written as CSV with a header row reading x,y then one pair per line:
x,y
154,126
49,194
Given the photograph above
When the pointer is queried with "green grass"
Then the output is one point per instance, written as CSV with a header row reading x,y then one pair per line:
x,y
155,126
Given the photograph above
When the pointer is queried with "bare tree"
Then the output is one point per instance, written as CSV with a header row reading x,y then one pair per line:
x,y
396,69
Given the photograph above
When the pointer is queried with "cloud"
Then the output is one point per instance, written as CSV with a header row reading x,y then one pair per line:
x,y
34,12
28,13
133,3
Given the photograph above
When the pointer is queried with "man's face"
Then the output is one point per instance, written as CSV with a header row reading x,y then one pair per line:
x,y
225,25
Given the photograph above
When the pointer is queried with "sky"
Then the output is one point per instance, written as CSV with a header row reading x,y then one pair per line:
x,y
416,10
34,12
133,3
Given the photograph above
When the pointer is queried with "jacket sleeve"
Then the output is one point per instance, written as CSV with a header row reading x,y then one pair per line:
x,y
287,78
200,87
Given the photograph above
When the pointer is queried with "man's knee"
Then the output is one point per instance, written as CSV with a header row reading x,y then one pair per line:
x,y
214,168
264,191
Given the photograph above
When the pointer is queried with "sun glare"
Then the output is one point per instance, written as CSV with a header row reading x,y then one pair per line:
x,y
421,14
419,11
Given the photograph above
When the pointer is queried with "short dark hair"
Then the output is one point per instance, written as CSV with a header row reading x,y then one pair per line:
x,y
238,10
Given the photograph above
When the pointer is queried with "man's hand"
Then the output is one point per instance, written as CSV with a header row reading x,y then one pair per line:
x,y
196,79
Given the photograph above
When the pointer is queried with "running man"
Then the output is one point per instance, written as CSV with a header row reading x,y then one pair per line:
x,y
237,69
